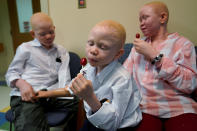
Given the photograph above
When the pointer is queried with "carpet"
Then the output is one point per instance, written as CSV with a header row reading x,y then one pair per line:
x,y
4,124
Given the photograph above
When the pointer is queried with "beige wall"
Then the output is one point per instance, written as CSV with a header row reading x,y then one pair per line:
x,y
5,38
44,6
73,24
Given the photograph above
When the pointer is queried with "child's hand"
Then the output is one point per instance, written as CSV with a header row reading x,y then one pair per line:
x,y
26,90
82,87
144,48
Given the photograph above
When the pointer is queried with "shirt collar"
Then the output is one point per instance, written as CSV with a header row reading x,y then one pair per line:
x,y
37,43
104,73
171,35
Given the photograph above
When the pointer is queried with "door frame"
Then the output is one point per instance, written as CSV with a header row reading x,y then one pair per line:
x,y
15,31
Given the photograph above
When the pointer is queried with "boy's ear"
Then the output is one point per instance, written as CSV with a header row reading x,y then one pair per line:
x,y
119,54
32,33
163,17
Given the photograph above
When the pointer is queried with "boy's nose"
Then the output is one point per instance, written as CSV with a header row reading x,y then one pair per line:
x,y
94,51
142,23
48,36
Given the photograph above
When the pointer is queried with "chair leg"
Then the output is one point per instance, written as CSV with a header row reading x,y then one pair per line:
x,y
10,126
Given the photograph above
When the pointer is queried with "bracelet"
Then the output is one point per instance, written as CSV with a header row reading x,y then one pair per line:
x,y
157,59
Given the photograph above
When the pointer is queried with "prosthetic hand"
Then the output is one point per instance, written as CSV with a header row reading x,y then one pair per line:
x,y
60,92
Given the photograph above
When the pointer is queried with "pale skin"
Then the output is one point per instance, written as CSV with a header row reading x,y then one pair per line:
x,y
154,13
26,90
102,48
153,23
43,30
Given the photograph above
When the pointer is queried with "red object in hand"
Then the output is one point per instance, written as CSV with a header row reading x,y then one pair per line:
x,y
83,61
137,35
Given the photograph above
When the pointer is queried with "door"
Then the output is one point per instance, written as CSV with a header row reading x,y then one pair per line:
x,y
20,12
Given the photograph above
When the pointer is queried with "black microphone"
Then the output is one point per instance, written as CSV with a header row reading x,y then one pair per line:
x,y
58,59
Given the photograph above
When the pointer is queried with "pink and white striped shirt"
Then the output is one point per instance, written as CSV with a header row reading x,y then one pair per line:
x,y
166,87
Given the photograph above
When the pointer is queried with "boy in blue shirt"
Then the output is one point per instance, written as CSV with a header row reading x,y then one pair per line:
x,y
111,98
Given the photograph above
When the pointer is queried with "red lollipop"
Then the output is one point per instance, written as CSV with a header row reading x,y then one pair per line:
x,y
83,61
137,35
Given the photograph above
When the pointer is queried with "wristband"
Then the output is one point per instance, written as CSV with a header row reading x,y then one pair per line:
x,y
157,59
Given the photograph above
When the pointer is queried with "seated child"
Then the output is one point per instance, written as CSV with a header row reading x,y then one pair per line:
x,y
35,67
111,99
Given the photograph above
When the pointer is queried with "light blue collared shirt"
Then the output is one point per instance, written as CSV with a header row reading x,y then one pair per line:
x,y
37,65
114,83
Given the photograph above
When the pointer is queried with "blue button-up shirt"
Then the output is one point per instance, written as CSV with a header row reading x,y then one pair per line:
x,y
115,84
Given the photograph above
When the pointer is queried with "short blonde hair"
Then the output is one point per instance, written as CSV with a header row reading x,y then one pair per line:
x,y
159,7
38,18
116,29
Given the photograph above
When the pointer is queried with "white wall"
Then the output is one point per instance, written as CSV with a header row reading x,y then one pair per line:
x,y
73,24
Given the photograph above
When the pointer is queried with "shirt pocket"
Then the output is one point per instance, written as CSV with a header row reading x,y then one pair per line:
x,y
58,65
